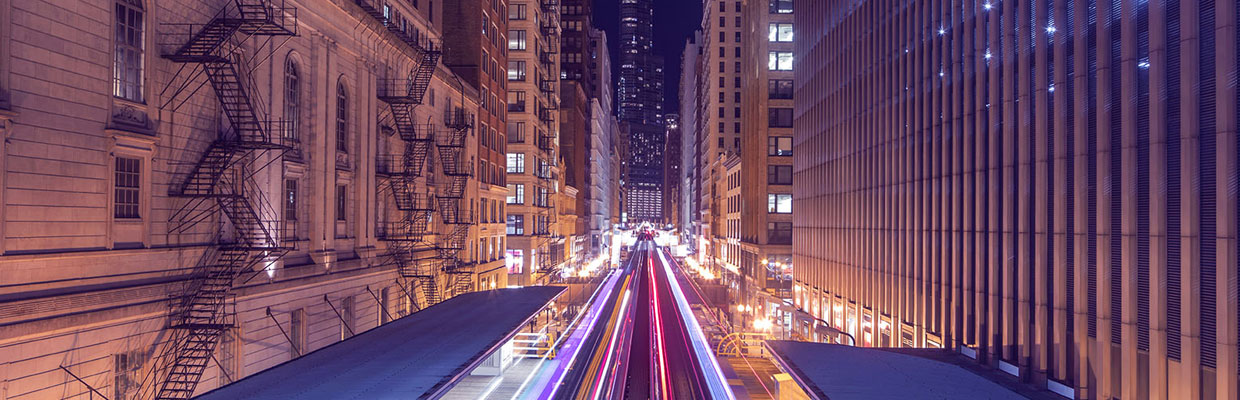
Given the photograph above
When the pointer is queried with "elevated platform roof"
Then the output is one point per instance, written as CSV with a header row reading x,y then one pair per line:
x,y
839,372
418,356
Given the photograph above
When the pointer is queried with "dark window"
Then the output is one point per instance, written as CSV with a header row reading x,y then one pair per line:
x,y
128,187
779,232
779,117
779,88
516,12
516,132
342,118
290,199
292,99
781,6
779,174
341,198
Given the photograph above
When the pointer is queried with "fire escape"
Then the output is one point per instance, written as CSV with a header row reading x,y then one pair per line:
x,y
399,173
222,181
545,219
451,197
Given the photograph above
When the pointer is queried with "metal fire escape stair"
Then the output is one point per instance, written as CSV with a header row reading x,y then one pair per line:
x,y
399,173
451,202
202,312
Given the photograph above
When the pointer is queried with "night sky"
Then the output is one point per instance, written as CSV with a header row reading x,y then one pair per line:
x,y
674,21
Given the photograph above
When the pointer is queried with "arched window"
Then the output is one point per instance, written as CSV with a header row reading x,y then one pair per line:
x,y
128,51
292,100
342,118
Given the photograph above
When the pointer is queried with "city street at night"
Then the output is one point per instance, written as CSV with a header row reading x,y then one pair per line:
x,y
619,199
651,346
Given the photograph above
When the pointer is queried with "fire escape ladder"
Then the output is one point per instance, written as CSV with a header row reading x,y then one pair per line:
x,y
399,172
202,311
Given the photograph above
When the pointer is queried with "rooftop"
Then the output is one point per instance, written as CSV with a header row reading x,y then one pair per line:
x,y
418,356
840,372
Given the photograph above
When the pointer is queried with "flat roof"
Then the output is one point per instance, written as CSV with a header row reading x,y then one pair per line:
x,y
839,372
418,356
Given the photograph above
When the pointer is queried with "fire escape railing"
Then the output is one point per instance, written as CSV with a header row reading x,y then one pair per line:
x,y
222,180
399,173
457,170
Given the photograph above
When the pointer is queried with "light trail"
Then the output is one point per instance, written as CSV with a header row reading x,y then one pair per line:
x,y
611,347
593,314
717,322
658,328
715,381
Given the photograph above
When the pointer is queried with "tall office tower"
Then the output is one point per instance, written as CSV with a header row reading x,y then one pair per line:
x,y
640,96
1047,187
757,169
604,157
578,38
671,168
576,91
535,243
720,94
690,129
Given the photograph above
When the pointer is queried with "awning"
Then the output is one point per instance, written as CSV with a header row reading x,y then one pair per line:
x,y
839,372
418,356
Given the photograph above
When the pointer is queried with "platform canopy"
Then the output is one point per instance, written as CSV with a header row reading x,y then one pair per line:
x,y
839,372
418,356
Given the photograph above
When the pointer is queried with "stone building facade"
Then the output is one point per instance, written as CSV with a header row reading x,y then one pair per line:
x,y
114,130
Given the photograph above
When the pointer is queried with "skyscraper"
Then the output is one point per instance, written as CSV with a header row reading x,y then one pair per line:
x,y
640,94
1049,188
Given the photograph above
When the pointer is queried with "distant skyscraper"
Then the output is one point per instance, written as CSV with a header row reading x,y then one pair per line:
x,y
640,94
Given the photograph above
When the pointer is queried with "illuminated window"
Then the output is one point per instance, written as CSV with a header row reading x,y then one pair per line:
x,y
516,41
780,32
128,51
779,61
779,146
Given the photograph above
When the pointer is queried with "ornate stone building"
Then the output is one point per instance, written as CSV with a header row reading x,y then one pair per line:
x,y
195,191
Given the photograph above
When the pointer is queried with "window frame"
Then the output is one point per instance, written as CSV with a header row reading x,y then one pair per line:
x,y
342,118
779,60
779,117
774,146
127,186
516,193
515,163
292,99
776,89
776,31
342,203
775,173
129,55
